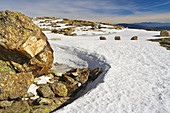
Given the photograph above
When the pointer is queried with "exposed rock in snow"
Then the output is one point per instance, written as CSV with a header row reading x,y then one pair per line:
x,y
165,33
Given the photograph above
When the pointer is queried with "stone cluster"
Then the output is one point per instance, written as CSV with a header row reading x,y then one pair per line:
x,y
59,91
118,38
65,31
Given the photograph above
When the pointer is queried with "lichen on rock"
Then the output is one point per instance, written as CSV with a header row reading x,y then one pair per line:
x,y
13,86
23,44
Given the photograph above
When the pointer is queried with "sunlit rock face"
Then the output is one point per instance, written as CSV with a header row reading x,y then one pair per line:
x,y
23,45
165,33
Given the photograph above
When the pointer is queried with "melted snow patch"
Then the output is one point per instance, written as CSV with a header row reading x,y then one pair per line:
x,y
32,89
43,80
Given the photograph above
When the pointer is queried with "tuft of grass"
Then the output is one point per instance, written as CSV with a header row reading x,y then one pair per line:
x,y
55,39
165,42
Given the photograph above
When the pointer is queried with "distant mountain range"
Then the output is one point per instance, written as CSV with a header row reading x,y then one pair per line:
x,y
147,25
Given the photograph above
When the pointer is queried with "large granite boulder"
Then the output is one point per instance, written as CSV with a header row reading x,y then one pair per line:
x,y
165,33
23,45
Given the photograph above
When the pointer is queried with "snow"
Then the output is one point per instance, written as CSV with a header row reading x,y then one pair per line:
x,y
32,89
137,75
136,78
42,80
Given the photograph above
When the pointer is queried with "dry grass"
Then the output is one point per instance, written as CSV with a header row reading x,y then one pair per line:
x,y
165,42
55,39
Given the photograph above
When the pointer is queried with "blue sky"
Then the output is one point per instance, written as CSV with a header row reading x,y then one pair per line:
x,y
112,11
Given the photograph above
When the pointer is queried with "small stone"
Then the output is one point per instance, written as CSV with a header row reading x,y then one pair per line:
x,y
70,82
134,38
117,38
45,91
59,88
102,38
44,101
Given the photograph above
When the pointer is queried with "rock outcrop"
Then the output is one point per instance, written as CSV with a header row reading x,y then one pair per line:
x,y
165,33
65,31
60,90
23,45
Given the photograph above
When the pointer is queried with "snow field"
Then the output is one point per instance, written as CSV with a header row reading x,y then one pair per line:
x,y
136,77
138,80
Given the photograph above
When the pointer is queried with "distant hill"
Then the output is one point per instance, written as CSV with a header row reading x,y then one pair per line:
x,y
147,25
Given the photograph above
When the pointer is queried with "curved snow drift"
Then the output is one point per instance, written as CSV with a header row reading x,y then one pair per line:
x,y
79,56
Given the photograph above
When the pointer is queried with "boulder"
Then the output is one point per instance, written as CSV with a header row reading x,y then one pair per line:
x,y
45,91
44,101
165,33
71,84
59,88
51,96
102,38
23,45
134,38
117,38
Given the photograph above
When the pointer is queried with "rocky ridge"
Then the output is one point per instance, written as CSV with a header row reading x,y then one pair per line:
x,y
68,26
59,91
